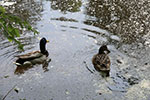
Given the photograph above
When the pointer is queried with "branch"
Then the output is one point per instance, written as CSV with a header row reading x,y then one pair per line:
x,y
9,92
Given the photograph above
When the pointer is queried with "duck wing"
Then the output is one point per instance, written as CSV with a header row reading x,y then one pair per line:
x,y
102,60
28,57
31,55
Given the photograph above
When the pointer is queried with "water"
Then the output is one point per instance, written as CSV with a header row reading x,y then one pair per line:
x,y
76,29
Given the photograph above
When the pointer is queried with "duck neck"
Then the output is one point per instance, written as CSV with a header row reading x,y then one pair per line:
x,y
42,48
101,51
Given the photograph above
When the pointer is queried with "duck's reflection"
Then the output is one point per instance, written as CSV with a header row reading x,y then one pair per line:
x,y
45,65
104,73
22,69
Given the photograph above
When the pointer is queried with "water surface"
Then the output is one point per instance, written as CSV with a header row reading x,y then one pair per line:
x,y
76,29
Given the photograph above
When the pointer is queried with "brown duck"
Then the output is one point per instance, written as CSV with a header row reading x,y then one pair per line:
x,y
101,60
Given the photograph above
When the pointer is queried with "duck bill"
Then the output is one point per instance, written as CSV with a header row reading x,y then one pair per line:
x,y
47,41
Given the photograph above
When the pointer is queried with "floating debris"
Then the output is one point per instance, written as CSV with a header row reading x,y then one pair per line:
x,y
16,90
6,76
67,92
119,61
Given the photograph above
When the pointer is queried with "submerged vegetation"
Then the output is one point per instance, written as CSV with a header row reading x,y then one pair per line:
x,y
11,26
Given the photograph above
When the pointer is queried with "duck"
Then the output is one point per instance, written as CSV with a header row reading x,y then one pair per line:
x,y
35,57
101,60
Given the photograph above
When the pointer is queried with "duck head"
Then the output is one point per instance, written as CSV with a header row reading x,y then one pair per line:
x,y
43,42
103,49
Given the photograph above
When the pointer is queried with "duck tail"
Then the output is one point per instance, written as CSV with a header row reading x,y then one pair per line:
x,y
19,61
18,64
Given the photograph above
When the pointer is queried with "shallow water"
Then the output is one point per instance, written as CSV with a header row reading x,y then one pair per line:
x,y
76,29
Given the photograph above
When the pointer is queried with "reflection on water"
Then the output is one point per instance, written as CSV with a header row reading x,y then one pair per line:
x,y
64,19
66,5
22,69
128,19
29,10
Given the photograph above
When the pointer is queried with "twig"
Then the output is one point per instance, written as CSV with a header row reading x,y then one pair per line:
x,y
116,90
87,67
9,92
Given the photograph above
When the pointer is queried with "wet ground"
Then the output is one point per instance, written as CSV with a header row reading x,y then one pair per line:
x,y
76,29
